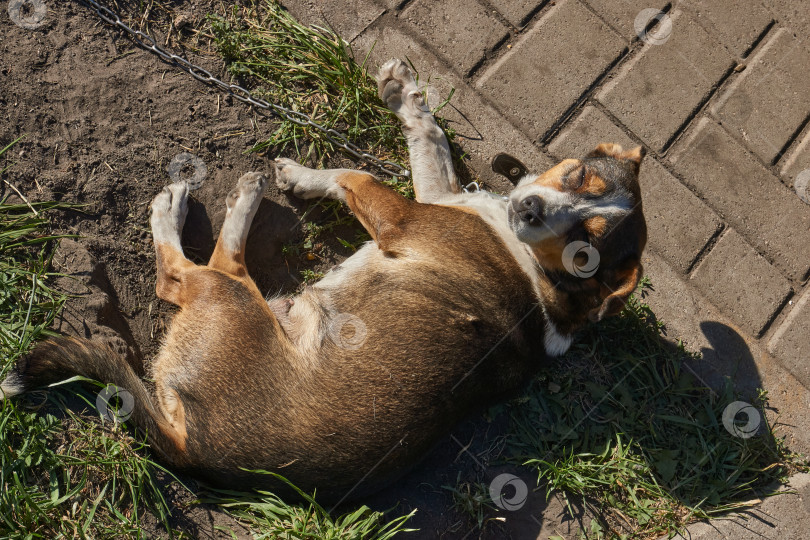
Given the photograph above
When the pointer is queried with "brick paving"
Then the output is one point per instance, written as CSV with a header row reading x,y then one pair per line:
x,y
719,93
764,107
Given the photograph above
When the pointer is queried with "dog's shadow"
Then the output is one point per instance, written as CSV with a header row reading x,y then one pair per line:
x,y
273,227
626,416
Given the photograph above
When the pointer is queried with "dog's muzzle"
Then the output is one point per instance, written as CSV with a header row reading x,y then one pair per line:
x,y
530,210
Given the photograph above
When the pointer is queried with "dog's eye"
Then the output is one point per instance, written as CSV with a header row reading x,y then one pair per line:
x,y
576,179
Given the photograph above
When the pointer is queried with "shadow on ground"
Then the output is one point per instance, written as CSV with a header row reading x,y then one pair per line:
x,y
622,434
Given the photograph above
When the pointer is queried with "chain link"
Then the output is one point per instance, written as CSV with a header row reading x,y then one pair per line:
x,y
245,96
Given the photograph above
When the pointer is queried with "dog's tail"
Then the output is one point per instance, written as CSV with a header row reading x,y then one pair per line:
x,y
63,357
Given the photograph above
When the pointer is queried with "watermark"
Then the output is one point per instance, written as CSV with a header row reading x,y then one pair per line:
x,y
577,250
802,185
28,14
499,486
660,33
347,331
188,167
115,414
752,419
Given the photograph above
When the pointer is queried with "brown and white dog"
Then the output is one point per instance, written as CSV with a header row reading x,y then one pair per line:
x,y
457,301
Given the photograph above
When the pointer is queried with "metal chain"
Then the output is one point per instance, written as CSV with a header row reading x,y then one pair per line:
x,y
244,95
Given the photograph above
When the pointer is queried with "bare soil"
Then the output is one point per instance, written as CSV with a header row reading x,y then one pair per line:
x,y
101,120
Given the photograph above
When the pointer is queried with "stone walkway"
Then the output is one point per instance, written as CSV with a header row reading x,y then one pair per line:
x,y
717,91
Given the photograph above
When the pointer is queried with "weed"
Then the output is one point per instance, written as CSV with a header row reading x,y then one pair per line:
x,y
471,499
275,519
311,70
625,426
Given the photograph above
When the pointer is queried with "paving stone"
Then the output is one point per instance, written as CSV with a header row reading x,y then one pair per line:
x,y
741,282
480,130
381,43
348,21
483,133
392,4
791,341
549,69
516,11
784,517
462,30
797,160
726,350
679,224
622,14
738,23
747,196
790,14
767,103
660,88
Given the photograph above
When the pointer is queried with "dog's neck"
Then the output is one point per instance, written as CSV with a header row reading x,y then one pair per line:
x,y
567,299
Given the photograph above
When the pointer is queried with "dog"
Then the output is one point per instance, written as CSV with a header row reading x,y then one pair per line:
x,y
455,303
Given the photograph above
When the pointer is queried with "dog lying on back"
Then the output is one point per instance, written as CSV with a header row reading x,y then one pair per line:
x,y
458,300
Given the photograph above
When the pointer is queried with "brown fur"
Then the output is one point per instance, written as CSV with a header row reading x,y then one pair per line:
x,y
449,318
273,394
596,226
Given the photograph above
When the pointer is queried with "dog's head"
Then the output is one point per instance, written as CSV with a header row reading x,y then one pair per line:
x,y
584,223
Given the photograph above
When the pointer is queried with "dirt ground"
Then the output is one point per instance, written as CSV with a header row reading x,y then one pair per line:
x,y
102,120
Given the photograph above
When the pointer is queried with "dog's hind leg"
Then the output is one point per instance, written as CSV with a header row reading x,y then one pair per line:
x,y
431,161
242,203
169,211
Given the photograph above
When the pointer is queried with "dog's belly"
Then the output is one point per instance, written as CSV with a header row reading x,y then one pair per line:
x,y
405,348
377,362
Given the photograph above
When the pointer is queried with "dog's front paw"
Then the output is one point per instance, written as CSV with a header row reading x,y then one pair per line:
x,y
303,182
398,89
287,173
169,210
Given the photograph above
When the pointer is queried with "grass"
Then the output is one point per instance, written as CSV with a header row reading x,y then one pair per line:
x,y
472,500
622,427
310,70
625,427
62,474
275,519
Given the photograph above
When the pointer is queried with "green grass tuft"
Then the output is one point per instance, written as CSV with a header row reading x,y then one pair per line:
x,y
272,518
307,69
471,500
60,473
312,70
625,425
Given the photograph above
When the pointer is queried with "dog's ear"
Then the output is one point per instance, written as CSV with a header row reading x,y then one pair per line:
x,y
634,155
621,284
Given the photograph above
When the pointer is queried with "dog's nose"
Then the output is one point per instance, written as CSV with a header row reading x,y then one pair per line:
x,y
531,210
